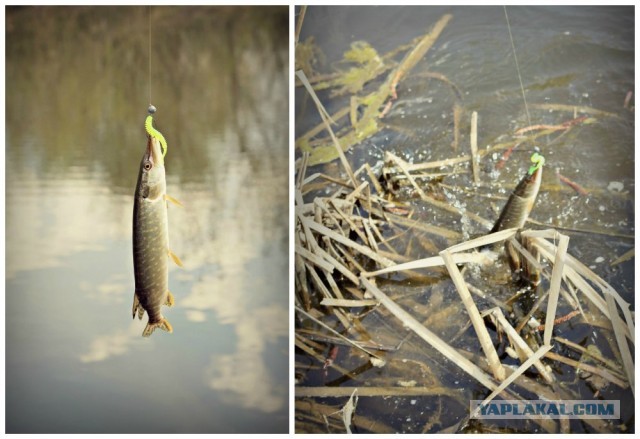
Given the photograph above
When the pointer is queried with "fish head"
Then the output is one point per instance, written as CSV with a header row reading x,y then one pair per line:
x,y
152,175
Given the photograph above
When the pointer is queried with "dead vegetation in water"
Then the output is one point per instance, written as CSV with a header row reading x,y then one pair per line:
x,y
350,325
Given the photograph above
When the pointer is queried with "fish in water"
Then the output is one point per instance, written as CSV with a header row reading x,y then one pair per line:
x,y
151,240
515,214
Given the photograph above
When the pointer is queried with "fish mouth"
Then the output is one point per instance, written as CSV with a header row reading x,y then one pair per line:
x,y
154,152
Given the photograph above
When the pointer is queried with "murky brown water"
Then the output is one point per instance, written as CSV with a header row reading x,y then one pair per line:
x,y
77,94
567,55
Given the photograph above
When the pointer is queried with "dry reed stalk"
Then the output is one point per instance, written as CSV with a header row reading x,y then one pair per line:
x,y
522,345
625,353
474,147
337,265
327,122
524,252
303,10
478,323
372,241
308,208
625,257
554,288
301,282
428,336
457,114
419,225
608,375
314,259
345,241
482,241
326,293
575,270
303,170
300,344
533,358
346,255
327,339
412,58
348,303
434,261
337,334
340,392
315,409
573,109
610,364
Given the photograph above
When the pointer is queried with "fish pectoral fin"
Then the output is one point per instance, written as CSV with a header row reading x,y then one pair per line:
x,y
173,200
175,258
170,299
162,324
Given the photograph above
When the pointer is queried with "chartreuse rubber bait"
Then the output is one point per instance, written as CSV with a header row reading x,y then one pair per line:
x,y
538,162
148,126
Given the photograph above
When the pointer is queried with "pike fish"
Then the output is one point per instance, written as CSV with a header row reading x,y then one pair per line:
x,y
515,214
151,240
520,203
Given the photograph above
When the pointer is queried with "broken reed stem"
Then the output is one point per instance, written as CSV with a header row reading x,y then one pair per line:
x,y
435,261
474,315
474,147
554,288
346,241
327,119
600,371
428,336
457,114
303,10
412,58
348,303
584,351
522,345
623,345
340,392
535,357
337,334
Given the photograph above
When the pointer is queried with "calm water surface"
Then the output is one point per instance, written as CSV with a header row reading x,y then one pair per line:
x,y
577,56
77,93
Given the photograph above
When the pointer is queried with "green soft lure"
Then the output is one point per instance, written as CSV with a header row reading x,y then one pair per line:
x,y
538,162
148,125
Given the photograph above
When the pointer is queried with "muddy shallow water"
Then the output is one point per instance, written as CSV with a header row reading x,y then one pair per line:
x,y
573,56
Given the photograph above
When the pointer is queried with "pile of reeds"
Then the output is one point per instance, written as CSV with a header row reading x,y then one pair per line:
x,y
333,277
344,242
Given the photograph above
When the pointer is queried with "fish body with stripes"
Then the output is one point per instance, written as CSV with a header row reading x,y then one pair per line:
x,y
151,240
516,212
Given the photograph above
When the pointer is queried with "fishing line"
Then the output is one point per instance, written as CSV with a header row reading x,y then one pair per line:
x,y
149,26
515,57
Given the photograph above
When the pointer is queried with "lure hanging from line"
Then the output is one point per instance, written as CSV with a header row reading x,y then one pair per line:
x,y
148,126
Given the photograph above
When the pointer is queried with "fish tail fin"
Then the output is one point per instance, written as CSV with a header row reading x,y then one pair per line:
x,y
162,324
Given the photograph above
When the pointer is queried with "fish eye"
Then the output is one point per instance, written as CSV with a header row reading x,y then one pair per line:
x,y
147,165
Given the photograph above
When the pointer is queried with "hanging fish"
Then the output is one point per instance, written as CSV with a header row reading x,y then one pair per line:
x,y
521,201
515,214
151,234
